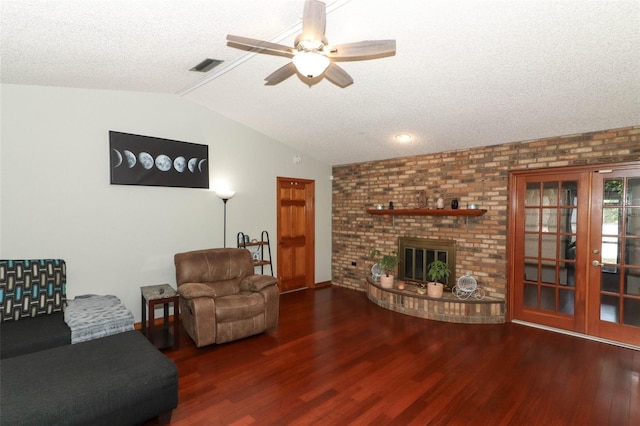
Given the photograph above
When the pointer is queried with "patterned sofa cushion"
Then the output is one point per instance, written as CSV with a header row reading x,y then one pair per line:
x,y
31,287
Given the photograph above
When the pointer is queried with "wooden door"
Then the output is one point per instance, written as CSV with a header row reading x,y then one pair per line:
x,y
614,256
549,217
575,250
296,233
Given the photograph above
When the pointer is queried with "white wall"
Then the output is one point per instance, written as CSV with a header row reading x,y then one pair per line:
x,y
56,200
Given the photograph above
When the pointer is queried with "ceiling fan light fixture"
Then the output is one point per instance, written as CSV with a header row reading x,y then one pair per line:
x,y
403,137
310,64
312,56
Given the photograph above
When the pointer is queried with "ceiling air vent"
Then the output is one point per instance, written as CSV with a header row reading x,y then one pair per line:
x,y
206,65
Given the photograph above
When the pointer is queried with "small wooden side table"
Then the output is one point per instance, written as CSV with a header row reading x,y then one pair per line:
x,y
165,295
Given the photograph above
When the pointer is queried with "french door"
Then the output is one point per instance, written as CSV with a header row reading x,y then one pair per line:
x,y
575,250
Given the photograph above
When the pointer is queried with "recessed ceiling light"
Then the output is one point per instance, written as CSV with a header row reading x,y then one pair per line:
x,y
403,137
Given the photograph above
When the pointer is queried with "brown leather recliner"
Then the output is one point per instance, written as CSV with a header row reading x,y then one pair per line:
x,y
221,297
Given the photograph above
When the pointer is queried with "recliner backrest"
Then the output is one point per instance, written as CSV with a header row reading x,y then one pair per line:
x,y
220,268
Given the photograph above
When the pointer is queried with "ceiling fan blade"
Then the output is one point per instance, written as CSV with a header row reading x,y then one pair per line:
x,y
280,74
260,44
314,20
338,76
362,49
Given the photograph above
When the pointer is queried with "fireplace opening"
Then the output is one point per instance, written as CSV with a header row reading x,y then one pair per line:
x,y
418,253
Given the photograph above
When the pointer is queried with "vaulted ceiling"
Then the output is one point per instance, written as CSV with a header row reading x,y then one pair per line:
x,y
467,73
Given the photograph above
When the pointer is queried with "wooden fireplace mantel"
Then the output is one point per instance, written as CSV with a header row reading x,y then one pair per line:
x,y
427,212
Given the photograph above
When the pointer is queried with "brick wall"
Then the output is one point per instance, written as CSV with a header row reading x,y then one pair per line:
x,y
478,175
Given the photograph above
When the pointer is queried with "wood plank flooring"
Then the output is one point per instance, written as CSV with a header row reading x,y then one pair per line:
x,y
338,359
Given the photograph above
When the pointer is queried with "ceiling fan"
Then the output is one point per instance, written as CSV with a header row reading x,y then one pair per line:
x,y
312,55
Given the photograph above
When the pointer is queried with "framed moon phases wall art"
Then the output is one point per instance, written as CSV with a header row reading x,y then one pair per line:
x,y
145,160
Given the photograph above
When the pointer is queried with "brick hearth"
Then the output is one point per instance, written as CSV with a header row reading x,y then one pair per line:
x,y
448,309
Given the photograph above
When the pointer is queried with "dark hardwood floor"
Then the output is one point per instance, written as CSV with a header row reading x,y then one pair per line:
x,y
338,359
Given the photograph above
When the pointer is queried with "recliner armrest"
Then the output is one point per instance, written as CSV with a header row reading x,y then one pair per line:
x,y
257,282
195,290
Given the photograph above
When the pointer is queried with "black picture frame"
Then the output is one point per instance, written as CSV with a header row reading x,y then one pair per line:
x,y
151,161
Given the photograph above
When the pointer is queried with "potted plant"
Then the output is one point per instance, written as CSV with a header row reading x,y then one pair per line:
x,y
437,271
388,263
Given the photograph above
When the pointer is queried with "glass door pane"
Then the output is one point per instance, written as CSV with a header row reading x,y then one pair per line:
x,y
620,276
550,229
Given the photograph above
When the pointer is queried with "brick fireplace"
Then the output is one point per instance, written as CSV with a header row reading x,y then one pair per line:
x,y
418,253
477,175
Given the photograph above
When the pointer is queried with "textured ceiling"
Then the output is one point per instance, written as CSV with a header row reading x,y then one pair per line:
x,y
466,73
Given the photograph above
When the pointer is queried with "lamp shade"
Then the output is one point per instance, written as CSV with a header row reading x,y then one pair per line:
x,y
225,194
310,64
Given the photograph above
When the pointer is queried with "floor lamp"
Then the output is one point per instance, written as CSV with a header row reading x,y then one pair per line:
x,y
225,196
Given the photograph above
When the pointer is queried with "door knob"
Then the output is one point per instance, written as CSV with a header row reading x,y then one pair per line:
x,y
596,263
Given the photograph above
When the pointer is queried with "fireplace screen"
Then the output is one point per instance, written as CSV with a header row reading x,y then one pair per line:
x,y
418,253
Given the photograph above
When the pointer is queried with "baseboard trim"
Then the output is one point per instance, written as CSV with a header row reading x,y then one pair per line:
x,y
574,334
294,290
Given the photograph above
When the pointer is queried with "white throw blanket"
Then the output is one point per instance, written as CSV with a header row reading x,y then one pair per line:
x,y
91,317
